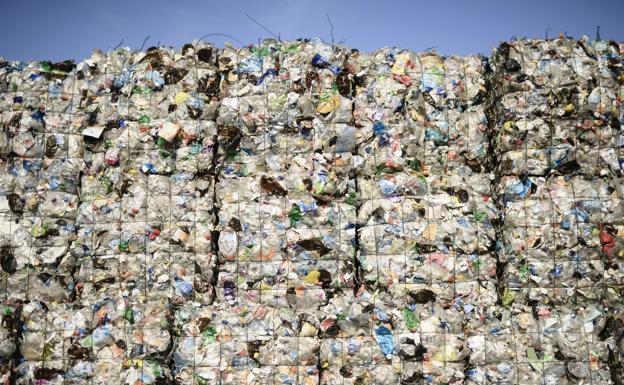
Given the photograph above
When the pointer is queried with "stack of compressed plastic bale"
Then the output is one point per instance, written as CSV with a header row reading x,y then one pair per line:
x,y
606,101
197,352
556,113
10,120
185,121
349,352
40,157
110,251
286,210
424,234
459,214
146,212
454,238
535,344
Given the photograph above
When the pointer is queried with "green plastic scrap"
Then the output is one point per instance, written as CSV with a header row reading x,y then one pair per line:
x,y
382,168
210,334
414,164
161,143
535,362
264,51
139,90
410,319
87,342
291,48
155,368
123,246
351,198
326,95
231,154
508,297
523,269
39,231
129,315
294,215
200,380
46,66
48,349
479,216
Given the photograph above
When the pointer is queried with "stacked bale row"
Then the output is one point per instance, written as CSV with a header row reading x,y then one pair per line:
x,y
424,221
556,108
40,199
108,209
286,214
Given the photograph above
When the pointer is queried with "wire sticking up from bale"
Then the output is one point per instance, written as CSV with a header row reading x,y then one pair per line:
x,y
332,28
118,45
144,41
265,28
223,35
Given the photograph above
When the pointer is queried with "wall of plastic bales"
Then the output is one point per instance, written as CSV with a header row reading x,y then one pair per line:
x,y
302,213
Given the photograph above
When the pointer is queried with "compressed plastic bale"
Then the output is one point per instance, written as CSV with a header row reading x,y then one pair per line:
x,y
39,208
579,214
567,65
261,334
44,338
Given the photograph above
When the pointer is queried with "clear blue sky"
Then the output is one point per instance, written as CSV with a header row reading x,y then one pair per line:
x,y
61,29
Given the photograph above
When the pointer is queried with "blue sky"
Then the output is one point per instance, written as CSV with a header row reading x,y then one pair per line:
x,y
62,29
